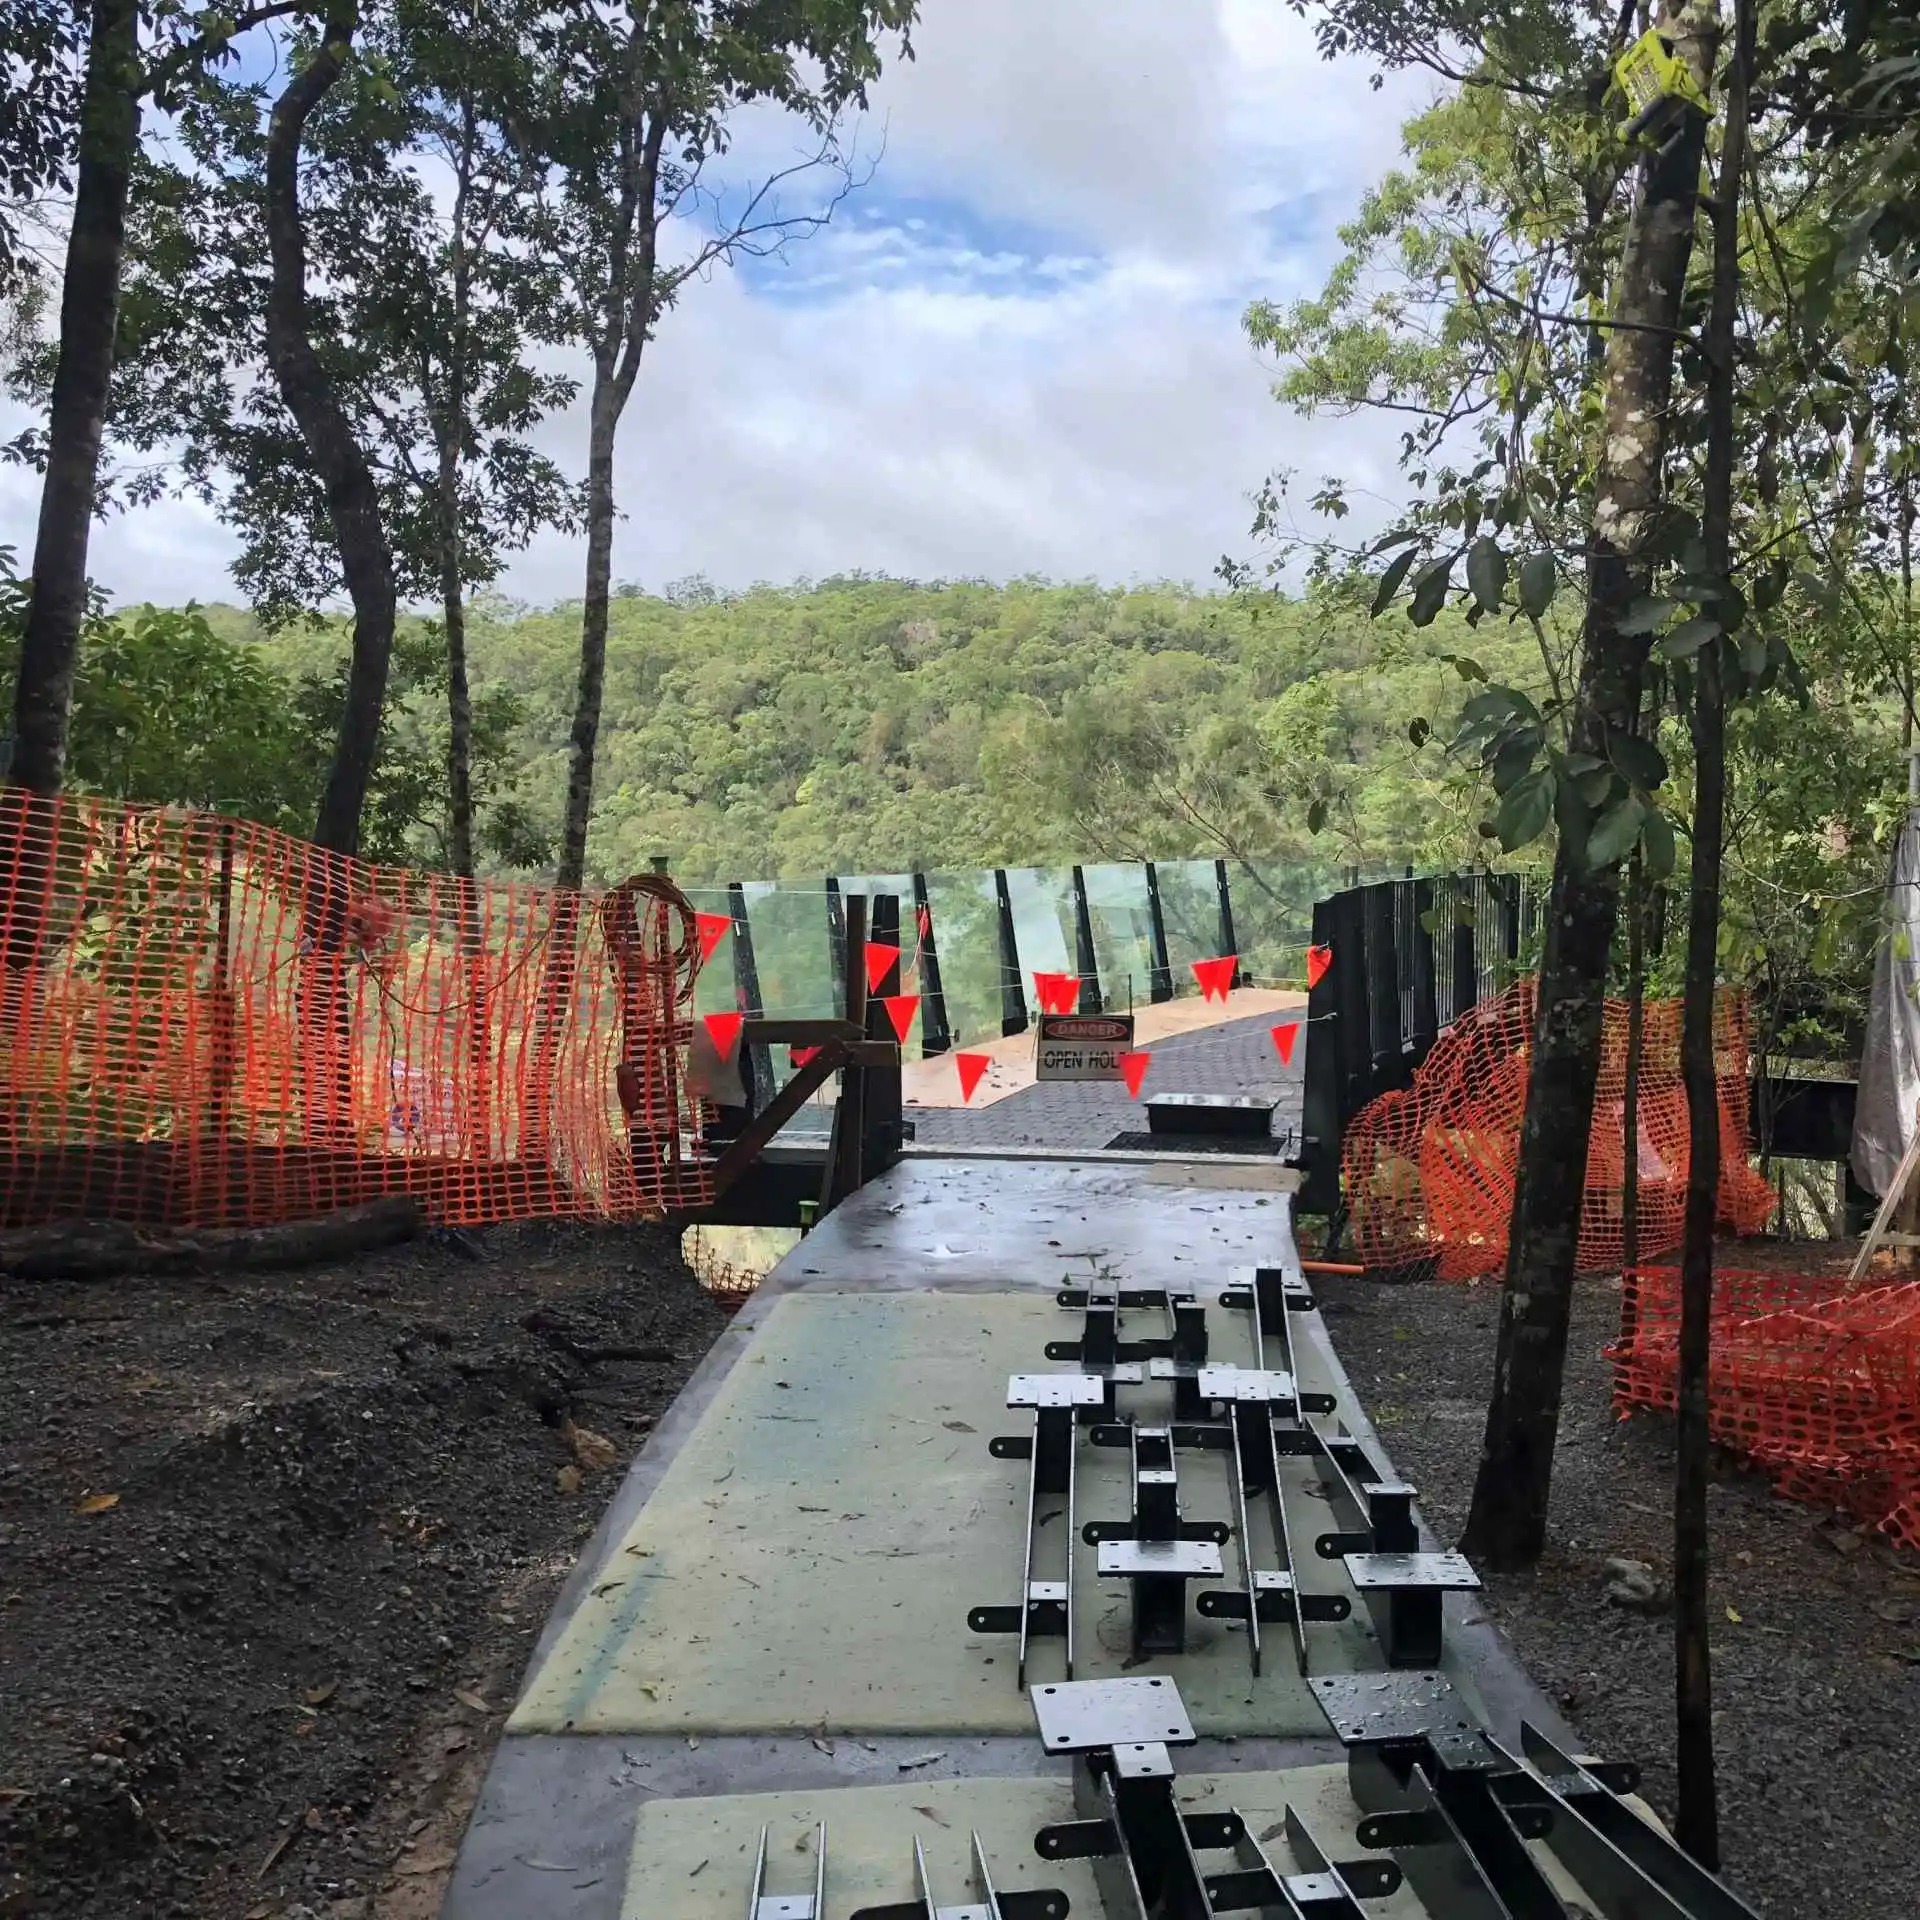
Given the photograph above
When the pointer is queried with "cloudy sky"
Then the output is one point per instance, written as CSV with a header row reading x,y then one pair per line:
x,y
1016,350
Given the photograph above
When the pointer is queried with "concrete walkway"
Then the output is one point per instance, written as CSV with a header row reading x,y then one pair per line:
x,y
770,1636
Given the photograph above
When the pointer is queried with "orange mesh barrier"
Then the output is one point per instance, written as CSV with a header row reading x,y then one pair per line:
x,y
730,1283
1816,1384
1429,1173
206,1023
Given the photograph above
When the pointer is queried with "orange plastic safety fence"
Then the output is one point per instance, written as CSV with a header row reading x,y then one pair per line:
x,y
206,1023
1429,1172
1819,1385
730,1283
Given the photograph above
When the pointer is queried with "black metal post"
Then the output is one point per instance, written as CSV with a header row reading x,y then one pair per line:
x,y
846,1144
1229,940
1013,990
756,1067
837,941
1466,950
1425,1024
1506,893
1320,1117
1085,962
883,1096
1159,967
935,1034
1382,987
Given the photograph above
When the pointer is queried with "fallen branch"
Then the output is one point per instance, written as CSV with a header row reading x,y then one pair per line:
x,y
104,1249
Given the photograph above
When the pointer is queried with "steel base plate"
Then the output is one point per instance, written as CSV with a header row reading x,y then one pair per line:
x,y
1386,1572
1080,1716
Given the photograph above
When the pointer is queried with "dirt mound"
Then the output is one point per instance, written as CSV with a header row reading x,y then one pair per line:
x,y
272,1553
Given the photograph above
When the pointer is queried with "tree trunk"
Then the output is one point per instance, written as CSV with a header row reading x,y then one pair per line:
x,y
453,609
353,499
605,421
1507,1524
1696,1815
630,302
453,617
1630,1108
77,415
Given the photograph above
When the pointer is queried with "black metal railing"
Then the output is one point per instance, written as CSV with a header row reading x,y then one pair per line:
x,y
1408,958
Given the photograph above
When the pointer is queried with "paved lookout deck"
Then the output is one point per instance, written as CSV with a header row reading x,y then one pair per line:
x,y
771,1628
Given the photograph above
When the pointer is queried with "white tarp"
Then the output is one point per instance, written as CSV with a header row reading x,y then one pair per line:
x,y
1883,1118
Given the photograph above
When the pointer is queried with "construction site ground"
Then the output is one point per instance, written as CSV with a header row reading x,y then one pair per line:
x,y
274,1553
274,1550
1816,1627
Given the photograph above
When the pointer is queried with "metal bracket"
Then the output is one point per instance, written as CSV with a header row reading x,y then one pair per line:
x,y
1145,1847
762,1905
1461,1815
1157,1551
985,1902
1101,1345
1270,1293
1630,1865
1045,1607
1321,1890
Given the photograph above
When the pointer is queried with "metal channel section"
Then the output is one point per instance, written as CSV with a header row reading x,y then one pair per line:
x,y
1420,1774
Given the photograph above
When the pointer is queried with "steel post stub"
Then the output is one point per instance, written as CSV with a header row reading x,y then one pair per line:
x,y
1083,1716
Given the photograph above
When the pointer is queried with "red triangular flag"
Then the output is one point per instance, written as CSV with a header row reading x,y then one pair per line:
x,y
1216,976
1319,959
1283,1038
1057,992
797,1057
712,929
1134,1066
881,960
973,1067
725,1031
901,1008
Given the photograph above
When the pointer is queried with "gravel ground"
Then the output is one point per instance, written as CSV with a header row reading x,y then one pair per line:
x,y
1817,1681
263,1677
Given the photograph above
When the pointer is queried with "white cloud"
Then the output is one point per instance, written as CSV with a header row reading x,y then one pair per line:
x,y
1018,350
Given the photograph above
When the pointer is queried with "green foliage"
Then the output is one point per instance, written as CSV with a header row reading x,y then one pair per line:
x,y
168,712
871,725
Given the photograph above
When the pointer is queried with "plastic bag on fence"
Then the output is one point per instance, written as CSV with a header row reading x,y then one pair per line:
x,y
1883,1114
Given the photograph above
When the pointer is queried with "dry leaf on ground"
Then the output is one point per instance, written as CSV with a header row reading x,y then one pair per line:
x,y
98,1503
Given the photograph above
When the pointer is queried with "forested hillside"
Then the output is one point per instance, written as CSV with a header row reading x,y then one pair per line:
x,y
873,724
876,725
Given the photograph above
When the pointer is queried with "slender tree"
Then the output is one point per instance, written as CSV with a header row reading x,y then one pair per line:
x,y
353,498
1696,1817
635,118
120,74
89,301
1507,1522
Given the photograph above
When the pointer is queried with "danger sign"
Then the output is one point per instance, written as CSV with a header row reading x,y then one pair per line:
x,y
1083,1046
